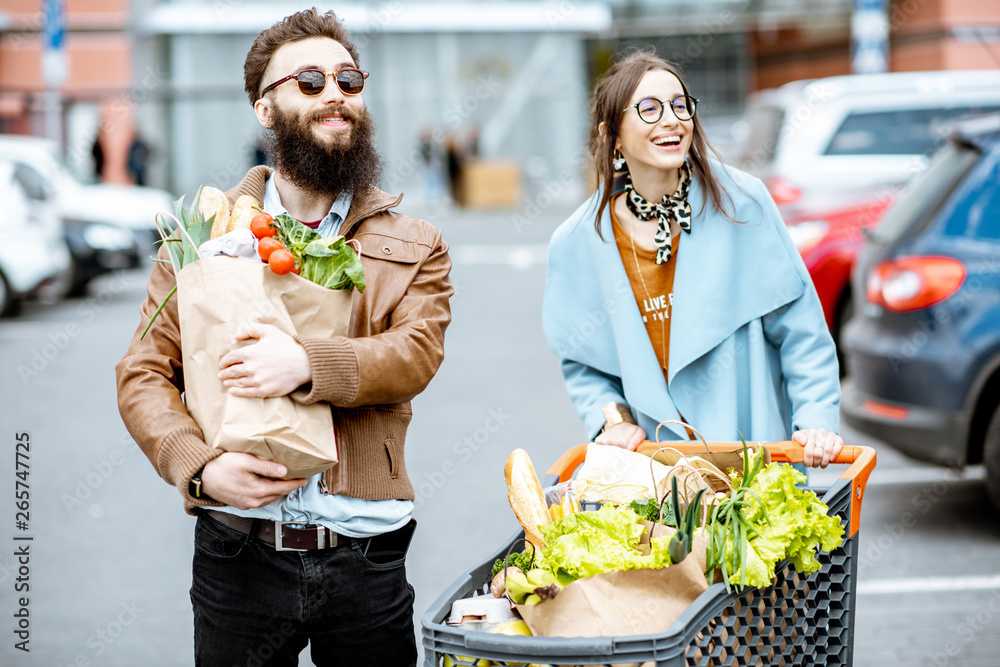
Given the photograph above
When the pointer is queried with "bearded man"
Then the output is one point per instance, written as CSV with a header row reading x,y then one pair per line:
x,y
279,563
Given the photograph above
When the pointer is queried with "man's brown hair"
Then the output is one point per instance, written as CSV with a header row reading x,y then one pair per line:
x,y
301,25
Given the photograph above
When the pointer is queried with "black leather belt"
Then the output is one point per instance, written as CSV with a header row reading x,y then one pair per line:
x,y
284,535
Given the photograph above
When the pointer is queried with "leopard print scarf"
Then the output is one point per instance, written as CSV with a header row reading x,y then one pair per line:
x,y
672,207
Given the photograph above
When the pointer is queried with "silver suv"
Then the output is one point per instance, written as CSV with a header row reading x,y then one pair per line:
x,y
811,139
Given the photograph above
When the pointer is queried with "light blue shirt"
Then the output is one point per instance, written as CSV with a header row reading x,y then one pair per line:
x,y
353,517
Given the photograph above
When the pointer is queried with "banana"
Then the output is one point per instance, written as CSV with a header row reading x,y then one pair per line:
x,y
540,577
518,587
499,584
531,588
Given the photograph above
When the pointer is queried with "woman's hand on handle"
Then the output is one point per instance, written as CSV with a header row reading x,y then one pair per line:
x,y
819,446
624,435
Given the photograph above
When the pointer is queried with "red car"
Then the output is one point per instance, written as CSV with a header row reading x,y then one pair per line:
x,y
828,235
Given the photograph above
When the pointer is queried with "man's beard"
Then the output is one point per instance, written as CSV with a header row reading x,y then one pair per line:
x,y
345,164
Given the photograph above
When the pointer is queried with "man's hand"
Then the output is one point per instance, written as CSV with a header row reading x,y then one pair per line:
x,y
820,447
275,365
244,481
624,435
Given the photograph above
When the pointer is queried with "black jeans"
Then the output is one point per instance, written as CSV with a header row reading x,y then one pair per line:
x,y
257,607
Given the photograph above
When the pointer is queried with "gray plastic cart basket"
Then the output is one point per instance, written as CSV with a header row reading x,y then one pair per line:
x,y
801,620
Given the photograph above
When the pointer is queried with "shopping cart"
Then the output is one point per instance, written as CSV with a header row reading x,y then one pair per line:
x,y
801,620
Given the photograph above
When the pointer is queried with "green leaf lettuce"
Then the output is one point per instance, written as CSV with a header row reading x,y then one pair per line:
x,y
794,517
588,543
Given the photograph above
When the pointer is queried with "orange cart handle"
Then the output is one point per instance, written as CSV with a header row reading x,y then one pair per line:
x,y
861,459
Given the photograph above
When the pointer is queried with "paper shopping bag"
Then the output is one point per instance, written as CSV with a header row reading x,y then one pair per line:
x,y
617,604
217,296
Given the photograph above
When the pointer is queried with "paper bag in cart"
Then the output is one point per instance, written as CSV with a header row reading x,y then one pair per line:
x,y
219,296
622,603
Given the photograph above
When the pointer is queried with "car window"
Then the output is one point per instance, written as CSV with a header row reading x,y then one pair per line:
x,y
33,182
901,132
976,211
924,194
762,138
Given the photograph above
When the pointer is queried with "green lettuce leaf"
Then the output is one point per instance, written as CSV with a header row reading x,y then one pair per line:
x,y
794,516
588,543
783,521
328,262
762,556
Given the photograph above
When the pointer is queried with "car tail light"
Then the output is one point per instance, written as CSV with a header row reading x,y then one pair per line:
x,y
883,410
805,235
782,191
914,282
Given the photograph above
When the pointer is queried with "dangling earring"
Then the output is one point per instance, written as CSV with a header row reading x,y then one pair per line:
x,y
619,161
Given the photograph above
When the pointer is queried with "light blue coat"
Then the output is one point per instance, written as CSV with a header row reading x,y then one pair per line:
x,y
750,352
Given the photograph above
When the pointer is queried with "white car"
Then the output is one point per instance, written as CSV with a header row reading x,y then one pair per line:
x,y
820,138
108,226
34,256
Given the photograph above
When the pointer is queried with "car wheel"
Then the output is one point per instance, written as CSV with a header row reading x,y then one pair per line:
x,y
9,303
59,287
80,281
991,457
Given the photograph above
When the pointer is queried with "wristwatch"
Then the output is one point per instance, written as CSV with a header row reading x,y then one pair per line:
x,y
194,486
617,413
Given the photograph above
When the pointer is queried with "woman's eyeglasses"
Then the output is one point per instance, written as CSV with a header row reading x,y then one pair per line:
x,y
650,109
312,82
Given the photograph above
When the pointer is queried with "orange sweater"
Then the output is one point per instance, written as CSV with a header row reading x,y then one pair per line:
x,y
652,285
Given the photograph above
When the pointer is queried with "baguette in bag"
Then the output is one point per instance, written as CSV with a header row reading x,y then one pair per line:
x,y
526,497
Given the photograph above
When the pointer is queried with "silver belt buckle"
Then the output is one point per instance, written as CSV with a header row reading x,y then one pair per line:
x,y
279,527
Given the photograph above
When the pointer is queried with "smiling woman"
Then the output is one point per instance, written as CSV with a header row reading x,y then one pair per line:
x,y
720,325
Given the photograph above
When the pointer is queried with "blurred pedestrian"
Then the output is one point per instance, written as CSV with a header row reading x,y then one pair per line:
x,y
454,160
138,159
282,563
430,154
97,153
472,143
680,296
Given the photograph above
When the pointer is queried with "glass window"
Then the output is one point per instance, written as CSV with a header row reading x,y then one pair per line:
x,y
902,132
762,139
926,192
976,213
33,182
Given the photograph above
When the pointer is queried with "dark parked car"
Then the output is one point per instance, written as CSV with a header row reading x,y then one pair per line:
x,y
924,348
97,249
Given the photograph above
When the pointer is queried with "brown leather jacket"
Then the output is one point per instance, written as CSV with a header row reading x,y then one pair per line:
x,y
394,347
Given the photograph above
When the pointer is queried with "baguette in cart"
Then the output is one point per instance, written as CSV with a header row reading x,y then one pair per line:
x,y
662,557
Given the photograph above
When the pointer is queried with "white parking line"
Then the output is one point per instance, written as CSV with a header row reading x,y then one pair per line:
x,y
517,257
28,330
928,585
923,475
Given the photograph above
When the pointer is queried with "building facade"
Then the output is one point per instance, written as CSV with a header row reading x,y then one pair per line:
x,y
501,81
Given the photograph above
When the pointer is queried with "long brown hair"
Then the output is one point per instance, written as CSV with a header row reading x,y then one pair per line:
x,y
301,25
612,94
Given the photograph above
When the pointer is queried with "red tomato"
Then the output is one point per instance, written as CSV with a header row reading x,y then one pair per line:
x,y
281,262
261,226
267,246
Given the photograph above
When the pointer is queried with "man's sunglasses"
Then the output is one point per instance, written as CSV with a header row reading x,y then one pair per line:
x,y
312,82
